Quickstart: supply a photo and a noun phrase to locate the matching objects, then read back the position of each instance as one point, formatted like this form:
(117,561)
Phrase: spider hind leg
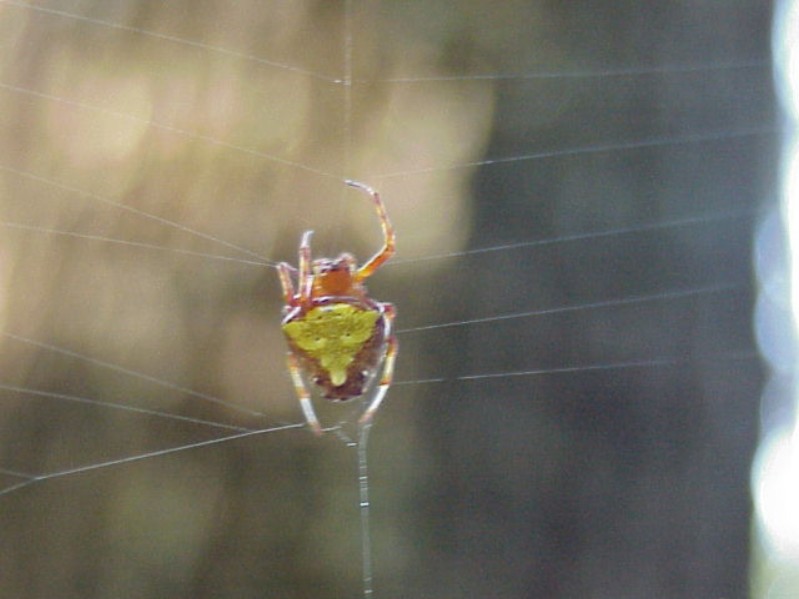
(303,395)
(383,385)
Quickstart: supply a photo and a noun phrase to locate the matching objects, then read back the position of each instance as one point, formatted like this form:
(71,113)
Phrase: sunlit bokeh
(142,146)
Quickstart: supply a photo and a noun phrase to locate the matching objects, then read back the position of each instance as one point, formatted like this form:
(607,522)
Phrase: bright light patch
(786,55)
(776,486)
(775,472)
(791,203)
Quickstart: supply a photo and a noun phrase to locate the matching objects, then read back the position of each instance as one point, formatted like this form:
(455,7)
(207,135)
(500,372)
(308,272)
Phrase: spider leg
(388,234)
(303,395)
(305,277)
(383,385)
(392,346)
(284,270)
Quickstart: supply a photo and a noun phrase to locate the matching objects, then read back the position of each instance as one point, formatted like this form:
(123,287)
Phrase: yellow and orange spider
(337,335)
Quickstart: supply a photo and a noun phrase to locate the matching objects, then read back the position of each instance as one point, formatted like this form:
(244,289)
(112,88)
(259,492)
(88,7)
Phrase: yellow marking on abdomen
(333,335)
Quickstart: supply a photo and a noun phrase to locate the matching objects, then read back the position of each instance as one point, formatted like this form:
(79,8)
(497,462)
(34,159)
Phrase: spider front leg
(389,242)
(285,270)
(305,277)
(303,395)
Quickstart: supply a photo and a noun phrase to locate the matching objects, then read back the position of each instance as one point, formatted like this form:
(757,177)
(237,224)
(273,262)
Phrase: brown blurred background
(484,125)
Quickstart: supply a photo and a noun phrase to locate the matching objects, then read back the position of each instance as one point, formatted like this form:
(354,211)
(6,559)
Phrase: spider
(337,335)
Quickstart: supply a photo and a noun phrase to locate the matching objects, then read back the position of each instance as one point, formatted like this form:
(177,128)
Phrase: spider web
(574,191)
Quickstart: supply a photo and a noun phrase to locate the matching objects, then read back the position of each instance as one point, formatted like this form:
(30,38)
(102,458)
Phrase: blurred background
(586,197)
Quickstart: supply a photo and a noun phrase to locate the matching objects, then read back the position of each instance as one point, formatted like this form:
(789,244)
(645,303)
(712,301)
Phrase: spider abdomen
(340,344)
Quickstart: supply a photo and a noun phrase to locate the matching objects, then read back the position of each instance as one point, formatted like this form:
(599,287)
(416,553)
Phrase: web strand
(659,362)
(665,296)
(168,38)
(118,406)
(124,207)
(169,128)
(129,372)
(364,507)
(654,142)
(363,429)
(589,74)
(132,244)
(251,58)
(659,141)
(642,228)
(145,456)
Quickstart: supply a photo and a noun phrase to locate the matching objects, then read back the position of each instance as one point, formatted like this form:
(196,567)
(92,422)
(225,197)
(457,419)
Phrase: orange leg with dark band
(389,243)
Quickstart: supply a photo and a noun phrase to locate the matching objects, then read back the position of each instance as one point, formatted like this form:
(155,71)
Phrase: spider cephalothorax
(337,335)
